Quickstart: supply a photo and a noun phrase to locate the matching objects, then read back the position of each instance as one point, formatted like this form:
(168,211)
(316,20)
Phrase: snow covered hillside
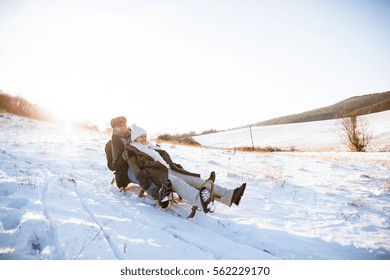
(311,136)
(56,202)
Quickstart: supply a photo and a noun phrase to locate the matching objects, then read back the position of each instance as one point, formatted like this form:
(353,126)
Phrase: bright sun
(71,110)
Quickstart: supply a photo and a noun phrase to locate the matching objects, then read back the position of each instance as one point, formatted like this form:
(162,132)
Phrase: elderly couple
(136,160)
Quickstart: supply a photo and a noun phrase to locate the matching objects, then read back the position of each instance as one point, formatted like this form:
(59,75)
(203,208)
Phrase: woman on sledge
(150,163)
(118,162)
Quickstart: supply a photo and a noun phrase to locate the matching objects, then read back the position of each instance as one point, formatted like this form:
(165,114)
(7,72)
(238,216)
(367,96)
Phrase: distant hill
(358,105)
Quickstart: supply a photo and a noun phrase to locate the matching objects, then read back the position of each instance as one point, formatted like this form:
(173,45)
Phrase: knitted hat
(136,131)
(117,121)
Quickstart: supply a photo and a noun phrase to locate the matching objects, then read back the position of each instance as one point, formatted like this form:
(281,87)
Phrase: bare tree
(356,133)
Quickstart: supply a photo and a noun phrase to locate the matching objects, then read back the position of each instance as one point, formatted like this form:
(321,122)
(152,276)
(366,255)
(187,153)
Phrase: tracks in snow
(114,247)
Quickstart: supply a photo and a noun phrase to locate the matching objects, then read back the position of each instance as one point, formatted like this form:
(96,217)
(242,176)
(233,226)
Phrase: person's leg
(153,188)
(195,197)
(221,194)
(131,176)
(190,194)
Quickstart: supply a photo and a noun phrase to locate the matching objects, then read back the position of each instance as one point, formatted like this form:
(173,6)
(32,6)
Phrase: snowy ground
(311,136)
(56,201)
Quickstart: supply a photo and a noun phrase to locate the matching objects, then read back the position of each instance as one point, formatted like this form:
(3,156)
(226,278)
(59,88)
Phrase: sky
(180,66)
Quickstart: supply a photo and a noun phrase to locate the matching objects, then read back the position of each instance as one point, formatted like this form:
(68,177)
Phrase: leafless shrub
(267,149)
(276,175)
(356,133)
(184,139)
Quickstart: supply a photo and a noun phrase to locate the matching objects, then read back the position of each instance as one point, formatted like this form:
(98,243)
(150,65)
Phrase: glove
(143,180)
(125,156)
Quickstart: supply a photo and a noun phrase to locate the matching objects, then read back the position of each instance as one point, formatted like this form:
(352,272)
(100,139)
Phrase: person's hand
(143,180)
(125,156)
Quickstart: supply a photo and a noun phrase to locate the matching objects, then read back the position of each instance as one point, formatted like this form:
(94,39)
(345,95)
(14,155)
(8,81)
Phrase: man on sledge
(141,162)
(117,158)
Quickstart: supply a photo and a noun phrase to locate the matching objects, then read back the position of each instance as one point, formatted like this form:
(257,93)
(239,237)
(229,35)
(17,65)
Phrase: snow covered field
(311,136)
(56,200)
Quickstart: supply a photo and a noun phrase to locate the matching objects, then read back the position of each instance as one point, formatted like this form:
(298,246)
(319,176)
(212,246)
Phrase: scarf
(125,138)
(150,150)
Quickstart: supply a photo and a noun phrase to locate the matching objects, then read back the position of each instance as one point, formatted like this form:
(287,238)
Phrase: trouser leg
(131,176)
(221,194)
(185,191)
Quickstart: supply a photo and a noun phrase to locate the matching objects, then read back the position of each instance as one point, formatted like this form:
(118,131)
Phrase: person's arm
(133,164)
(141,176)
(117,151)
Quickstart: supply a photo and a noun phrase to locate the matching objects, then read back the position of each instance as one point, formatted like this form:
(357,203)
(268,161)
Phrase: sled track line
(178,230)
(257,247)
(237,238)
(43,189)
(168,228)
(118,254)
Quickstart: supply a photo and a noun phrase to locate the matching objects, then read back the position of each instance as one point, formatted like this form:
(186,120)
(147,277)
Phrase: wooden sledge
(134,188)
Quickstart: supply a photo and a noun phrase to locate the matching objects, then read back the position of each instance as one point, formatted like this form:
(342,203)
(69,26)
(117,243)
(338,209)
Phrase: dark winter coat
(118,164)
(156,171)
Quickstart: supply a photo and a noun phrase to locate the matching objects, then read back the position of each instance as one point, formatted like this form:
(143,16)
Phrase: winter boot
(165,191)
(205,199)
(237,194)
